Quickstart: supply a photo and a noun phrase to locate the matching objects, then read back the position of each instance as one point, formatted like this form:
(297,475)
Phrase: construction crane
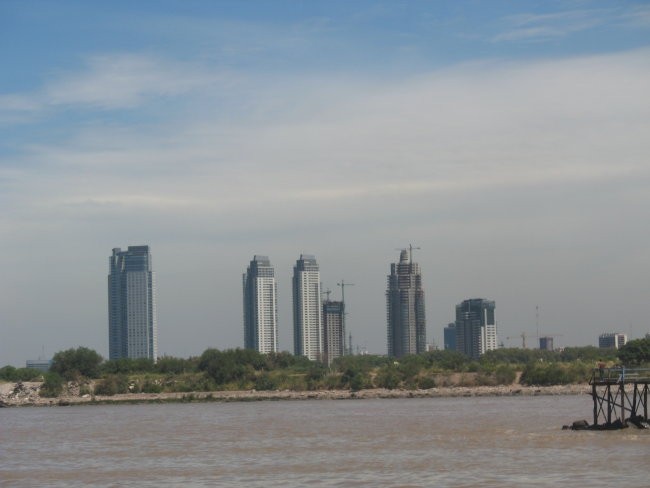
(524,336)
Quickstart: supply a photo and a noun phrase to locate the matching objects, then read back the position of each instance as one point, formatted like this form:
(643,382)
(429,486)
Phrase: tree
(635,352)
(73,363)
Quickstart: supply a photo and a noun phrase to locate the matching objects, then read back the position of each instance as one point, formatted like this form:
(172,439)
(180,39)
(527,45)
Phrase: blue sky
(508,140)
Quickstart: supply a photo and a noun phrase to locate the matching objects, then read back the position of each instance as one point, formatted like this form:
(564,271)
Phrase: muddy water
(459,442)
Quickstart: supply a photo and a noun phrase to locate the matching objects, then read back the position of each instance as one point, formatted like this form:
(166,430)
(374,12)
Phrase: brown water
(442,442)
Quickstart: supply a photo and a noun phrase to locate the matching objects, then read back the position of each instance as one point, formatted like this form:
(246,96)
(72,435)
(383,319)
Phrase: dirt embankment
(27,394)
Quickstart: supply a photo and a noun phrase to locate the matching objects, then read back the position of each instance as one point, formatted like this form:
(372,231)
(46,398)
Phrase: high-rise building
(333,330)
(450,336)
(476,329)
(132,315)
(612,340)
(260,306)
(405,308)
(307,312)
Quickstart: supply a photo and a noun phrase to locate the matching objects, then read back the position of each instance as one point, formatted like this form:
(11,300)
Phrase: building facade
(132,314)
(405,308)
(612,340)
(476,329)
(333,330)
(260,306)
(307,311)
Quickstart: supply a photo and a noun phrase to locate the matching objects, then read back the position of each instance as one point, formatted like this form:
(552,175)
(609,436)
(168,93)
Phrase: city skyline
(505,139)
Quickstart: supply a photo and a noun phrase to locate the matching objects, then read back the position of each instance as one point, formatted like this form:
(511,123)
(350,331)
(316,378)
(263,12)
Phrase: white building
(307,312)
(132,315)
(260,306)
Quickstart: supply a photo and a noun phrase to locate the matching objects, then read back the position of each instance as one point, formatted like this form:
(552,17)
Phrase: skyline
(508,141)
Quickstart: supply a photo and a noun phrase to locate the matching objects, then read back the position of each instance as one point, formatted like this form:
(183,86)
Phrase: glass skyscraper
(405,308)
(132,316)
(476,328)
(260,306)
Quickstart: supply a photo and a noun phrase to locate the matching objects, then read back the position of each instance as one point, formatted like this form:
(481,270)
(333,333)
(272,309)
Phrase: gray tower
(260,306)
(405,308)
(132,316)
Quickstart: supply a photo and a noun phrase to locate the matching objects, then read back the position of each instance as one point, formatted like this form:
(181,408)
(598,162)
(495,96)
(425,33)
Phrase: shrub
(52,385)
(112,384)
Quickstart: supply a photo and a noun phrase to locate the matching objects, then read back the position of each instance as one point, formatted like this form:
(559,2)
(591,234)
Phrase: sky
(507,140)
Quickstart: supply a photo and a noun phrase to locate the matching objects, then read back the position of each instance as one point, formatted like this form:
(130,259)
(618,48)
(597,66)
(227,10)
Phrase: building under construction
(405,308)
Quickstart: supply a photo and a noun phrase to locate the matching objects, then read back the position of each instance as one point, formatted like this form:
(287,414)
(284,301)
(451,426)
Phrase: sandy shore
(26,394)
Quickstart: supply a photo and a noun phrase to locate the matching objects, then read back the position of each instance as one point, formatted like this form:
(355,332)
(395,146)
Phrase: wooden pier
(620,397)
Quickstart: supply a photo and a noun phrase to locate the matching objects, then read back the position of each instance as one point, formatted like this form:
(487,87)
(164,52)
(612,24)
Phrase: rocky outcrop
(27,394)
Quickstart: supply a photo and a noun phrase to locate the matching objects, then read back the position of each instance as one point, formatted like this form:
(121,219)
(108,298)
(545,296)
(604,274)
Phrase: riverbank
(26,394)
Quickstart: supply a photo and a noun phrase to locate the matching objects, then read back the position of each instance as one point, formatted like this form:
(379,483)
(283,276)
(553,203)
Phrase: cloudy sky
(508,140)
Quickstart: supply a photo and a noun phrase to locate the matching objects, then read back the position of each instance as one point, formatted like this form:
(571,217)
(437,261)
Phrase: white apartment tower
(307,312)
(132,315)
(260,306)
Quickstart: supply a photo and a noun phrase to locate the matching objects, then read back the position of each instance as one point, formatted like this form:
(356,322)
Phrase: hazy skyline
(508,140)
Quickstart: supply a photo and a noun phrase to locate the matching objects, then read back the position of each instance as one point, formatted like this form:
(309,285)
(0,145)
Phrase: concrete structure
(546,343)
(612,340)
(405,308)
(132,314)
(333,330)
(307,311)
(450,336)
(476,329)
(260,306)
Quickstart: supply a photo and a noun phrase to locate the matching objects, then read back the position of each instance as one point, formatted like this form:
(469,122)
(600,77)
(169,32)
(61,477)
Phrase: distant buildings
(39,364)
(612,340)
(132,315)
(307,311)
(450,337)
(260,306)
(405,308)
(333,330)
(476,329)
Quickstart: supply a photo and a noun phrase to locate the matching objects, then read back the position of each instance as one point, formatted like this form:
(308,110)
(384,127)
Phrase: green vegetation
(9,373)
(52,385)
(636,352)
(72,364)
(242,369)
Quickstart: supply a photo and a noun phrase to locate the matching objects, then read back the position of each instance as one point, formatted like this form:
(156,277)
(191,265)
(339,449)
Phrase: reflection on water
(472,442)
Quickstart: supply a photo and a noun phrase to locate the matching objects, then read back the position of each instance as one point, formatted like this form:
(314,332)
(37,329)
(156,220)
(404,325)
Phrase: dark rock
(580,425)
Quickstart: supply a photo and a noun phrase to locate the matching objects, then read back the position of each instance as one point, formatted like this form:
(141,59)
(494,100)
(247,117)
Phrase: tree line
(234,369)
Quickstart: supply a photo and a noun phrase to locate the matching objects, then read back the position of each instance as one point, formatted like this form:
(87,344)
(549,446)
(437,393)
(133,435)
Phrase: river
(441,442)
